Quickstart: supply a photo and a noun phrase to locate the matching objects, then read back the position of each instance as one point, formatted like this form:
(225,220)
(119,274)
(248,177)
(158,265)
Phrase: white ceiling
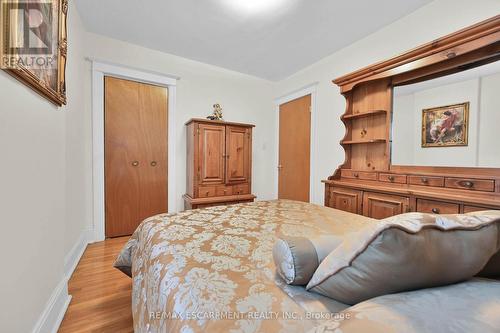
(238,35)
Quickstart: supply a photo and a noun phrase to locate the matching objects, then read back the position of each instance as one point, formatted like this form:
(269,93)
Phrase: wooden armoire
(219,163)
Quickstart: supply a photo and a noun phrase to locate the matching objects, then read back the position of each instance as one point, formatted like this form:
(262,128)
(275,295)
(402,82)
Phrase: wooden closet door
(211,146)
(237,154)
(135,143)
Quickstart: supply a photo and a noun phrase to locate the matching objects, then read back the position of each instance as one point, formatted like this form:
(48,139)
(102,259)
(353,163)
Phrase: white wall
(484,101)
(424,25)
(243,98)
(409,131)
(33,173)
(489,149)
(403,137)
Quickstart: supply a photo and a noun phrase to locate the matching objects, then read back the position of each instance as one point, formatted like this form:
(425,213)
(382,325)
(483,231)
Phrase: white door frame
(100,69)
(310,89)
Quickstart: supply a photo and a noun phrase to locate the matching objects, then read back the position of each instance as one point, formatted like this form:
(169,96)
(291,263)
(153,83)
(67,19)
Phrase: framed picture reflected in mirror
(445,126)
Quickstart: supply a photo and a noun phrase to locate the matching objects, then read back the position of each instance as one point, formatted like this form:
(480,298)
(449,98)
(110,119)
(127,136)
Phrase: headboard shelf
(367,182)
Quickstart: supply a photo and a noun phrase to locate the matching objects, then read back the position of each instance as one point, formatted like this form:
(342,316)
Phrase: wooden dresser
(367,183)
(219,163)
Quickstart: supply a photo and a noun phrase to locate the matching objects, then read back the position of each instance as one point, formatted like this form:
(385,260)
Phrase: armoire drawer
(206,191)
(223,190)
(359,175)
(241,189)
(437,207)
(486,185)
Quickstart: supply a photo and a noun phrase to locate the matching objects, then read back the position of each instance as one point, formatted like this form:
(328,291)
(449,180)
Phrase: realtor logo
(27,33)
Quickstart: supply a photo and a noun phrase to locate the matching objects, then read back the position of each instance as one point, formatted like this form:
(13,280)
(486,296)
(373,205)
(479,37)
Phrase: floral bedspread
(211,270)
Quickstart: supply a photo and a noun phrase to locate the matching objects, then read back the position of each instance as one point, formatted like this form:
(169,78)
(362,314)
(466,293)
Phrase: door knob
(435,210)
(154,163)
(135,163)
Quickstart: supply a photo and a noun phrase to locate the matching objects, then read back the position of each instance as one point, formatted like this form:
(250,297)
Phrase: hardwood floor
(101,294)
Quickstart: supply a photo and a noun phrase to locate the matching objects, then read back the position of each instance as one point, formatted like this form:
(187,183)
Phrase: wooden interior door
(381,206)
(237,154)
(135,150)
(295,149)
(211,146)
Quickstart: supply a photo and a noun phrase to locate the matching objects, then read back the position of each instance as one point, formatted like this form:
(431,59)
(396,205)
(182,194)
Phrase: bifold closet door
(135,150)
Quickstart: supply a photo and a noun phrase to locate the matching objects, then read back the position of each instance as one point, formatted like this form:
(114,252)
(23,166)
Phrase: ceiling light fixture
(255,6)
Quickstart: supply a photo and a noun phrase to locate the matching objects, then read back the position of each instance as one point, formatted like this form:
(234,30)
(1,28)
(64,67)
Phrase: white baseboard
(56,307)
(73,257)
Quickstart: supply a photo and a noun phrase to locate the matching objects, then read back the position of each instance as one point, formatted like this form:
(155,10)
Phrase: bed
(211,270)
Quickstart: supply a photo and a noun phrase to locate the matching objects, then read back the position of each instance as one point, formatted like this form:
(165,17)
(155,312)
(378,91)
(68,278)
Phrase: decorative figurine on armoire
(217,114)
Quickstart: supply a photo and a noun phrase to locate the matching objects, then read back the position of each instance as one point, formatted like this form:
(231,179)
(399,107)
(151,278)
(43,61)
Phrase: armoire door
(135,150)
(381,206)
(238,154)
(211,155)
(294,149)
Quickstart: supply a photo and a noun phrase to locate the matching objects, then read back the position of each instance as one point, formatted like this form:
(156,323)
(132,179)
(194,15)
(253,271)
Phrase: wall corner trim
(54,311)
(73,257)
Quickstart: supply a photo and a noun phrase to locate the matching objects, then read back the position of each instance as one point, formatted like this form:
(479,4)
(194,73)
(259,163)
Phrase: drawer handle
(356,175)
(467,184)
(435,210)
(154,163)
(135,163)
(208,192)
(425,180)
(391,178)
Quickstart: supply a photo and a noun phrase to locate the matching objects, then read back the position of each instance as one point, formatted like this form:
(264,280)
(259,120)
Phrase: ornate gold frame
(466,106)
(26,76)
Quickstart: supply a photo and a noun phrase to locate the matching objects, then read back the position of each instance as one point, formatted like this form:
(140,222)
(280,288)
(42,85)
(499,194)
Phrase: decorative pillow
(124,262)
(492,268)
(296,258)
(407,252)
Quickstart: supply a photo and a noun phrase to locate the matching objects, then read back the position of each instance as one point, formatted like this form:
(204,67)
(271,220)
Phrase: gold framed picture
(34,45)
(446,126)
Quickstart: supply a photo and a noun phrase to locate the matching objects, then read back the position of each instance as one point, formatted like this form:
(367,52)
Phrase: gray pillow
(492,268)
(296,258)
(407,252)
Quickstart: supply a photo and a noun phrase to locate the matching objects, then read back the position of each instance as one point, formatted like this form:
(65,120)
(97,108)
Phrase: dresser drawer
(241,189)
(471,209)
(426,181)
(359,175)
(471,184)
(437,207)
(223,190)
(392,178)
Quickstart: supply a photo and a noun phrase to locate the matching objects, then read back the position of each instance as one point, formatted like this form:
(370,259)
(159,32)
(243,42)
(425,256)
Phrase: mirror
(452,120)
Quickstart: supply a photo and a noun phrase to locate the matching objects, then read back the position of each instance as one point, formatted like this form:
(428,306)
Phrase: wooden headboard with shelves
(367,183)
